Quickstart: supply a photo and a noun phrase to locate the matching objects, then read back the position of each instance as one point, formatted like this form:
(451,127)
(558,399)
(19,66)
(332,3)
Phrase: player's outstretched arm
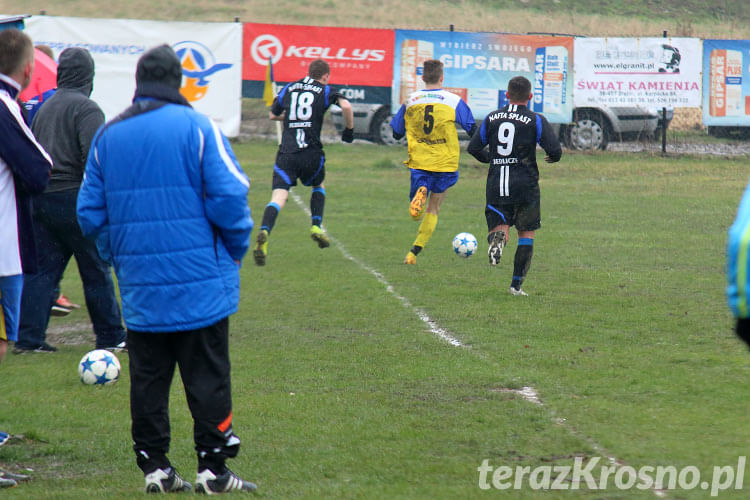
(277,112)
(397,123)
(346,110)
(478,145)
(549,143)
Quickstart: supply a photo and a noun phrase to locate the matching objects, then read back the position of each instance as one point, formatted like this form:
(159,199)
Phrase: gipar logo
(198,65)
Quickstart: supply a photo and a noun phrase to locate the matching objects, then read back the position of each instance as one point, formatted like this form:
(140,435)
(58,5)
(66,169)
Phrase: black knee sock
(269,216)
(522,261)
(317,204)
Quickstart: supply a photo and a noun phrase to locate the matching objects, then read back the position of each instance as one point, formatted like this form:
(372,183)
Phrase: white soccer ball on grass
(465,245)
(99,367)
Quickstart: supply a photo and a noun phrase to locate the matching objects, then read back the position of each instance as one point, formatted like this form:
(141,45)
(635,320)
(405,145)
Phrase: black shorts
(307,166)
(524,215)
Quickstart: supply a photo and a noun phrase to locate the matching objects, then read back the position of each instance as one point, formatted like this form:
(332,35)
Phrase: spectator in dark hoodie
(65,126)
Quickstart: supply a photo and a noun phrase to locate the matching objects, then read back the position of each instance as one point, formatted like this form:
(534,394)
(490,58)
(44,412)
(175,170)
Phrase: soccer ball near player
(465,245)
(99,367)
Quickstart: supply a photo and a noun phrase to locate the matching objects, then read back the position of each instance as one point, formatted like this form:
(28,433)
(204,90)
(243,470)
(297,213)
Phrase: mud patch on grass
(78,333)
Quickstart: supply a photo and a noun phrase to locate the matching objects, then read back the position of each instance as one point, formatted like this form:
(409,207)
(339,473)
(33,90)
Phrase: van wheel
(588,132)
(380,128)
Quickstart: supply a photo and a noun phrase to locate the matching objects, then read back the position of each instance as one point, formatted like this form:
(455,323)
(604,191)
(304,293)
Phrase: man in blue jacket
(166,200)
(738,265)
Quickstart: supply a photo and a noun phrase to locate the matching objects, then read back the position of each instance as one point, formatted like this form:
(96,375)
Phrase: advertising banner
(726,82)
(648,72)
(477,66)
(361,59)
(211,55)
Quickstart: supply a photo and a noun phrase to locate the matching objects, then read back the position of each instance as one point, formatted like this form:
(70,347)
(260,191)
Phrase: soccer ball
(99,367)
(465,245)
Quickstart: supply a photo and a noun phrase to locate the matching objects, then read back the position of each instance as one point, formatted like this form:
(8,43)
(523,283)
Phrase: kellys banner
(478,66)
(361,59)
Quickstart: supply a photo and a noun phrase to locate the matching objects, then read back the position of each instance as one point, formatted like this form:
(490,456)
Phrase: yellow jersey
(428,118)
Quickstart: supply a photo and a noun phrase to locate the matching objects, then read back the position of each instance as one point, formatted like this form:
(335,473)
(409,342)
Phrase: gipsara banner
(478,66)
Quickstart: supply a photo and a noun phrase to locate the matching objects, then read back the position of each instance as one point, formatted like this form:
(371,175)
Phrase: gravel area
(739,148)
(264,129)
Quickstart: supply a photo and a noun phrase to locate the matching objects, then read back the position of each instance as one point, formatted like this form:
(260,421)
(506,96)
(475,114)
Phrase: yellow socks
(426,228)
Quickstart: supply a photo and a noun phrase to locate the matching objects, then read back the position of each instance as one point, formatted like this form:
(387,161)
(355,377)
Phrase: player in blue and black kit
(513,199)
(301,105)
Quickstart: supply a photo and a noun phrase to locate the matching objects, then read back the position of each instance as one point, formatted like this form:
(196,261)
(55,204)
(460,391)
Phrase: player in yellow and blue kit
(428,118)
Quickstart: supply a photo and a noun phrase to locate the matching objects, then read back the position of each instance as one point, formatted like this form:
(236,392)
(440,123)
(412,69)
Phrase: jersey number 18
(300,108)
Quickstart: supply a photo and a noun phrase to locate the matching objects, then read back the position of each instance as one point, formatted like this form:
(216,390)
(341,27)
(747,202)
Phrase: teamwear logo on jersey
(198,65)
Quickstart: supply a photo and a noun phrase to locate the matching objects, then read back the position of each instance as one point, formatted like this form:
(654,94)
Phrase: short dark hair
(46,49)
(159,65)
(318,68)
(519,89)
(16,49)
(432,71)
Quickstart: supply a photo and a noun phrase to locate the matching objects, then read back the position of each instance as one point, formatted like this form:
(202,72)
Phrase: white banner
(211,55)
(648,72)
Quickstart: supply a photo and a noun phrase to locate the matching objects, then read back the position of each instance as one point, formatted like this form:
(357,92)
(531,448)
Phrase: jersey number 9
(505,133)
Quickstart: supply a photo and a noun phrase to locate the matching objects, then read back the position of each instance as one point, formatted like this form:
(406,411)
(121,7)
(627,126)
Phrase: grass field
(343,390)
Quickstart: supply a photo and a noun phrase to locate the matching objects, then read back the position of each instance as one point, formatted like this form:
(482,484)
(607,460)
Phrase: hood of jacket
(75,70)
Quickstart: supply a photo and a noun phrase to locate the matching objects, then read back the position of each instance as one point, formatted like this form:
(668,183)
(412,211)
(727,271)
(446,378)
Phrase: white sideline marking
(434,327)
(527,393)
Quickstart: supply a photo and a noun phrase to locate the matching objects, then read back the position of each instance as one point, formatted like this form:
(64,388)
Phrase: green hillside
(719,19)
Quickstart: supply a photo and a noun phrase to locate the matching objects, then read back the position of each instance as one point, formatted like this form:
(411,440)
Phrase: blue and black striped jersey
(305,103)
(512,134)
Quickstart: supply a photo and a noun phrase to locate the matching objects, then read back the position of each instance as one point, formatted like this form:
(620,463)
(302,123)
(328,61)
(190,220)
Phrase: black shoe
(165,481)
(45,347)
(209,483)
(261,248)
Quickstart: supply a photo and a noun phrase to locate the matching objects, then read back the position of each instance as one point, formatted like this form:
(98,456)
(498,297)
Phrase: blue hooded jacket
(738,260)
(167,200)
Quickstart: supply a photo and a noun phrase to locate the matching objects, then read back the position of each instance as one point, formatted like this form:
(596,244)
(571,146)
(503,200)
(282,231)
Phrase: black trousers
(202,356)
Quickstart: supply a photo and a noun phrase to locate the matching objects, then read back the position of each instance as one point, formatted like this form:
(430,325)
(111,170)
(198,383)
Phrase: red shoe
(63,301)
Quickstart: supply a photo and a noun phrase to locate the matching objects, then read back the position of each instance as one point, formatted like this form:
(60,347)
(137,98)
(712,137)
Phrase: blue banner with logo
(726,82)
(478,66)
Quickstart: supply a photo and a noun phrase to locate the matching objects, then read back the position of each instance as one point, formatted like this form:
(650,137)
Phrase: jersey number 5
(429,120)
(505,133)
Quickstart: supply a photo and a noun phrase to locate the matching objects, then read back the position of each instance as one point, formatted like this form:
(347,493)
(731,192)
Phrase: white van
(591,129)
